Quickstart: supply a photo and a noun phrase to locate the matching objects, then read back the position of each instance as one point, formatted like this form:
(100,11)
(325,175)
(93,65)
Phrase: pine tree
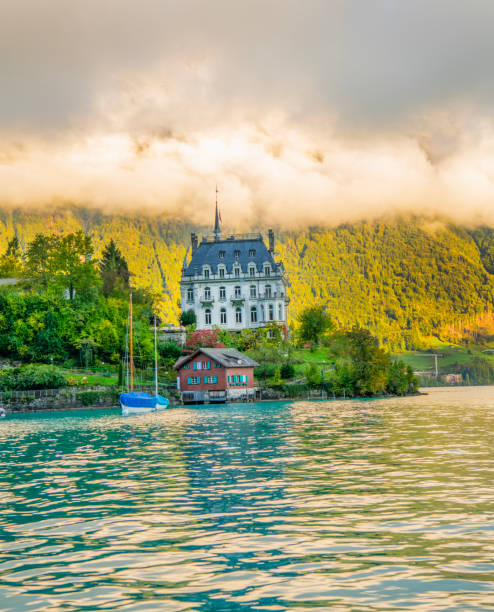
(10,261)
(113,269)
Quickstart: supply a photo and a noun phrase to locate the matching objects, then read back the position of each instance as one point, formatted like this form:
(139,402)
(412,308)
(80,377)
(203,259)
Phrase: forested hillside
(402,279)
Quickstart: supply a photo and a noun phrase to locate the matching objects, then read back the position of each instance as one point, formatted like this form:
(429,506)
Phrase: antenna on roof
(217,219)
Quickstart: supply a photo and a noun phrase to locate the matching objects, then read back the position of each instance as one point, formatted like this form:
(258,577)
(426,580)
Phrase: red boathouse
(215,375)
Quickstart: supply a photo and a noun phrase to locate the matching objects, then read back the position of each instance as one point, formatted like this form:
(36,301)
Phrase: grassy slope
(450,355)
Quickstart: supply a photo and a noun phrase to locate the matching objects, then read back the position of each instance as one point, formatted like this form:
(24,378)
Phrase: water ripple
(370,505)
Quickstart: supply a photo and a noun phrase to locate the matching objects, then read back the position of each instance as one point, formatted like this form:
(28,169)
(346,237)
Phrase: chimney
(194,242)
(271,241)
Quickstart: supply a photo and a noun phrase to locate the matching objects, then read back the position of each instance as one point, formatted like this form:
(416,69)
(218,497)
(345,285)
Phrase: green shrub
(312,375)
(265,370)
(89,398)
(32,377)
(287,370)
(169,350)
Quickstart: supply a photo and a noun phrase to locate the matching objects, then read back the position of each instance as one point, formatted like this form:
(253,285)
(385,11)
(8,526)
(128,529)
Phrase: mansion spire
(217,219)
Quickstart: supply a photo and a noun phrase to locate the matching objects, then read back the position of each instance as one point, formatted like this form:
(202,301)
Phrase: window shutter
(195,366)
(246,378)
(188,380)
(209,365)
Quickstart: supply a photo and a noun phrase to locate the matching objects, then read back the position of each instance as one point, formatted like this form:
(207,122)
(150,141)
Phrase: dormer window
(237,272)
(267,270)
(221,271)
(252,252)
(252,270)
(221,254)
(206,272)
(236,253)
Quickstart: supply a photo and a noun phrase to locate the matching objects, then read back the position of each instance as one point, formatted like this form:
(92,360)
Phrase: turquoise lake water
(356,505)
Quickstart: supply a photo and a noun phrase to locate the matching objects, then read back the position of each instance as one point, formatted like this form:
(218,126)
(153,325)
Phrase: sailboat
(132,402)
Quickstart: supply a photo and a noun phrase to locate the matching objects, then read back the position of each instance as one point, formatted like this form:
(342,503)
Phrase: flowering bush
(204,338)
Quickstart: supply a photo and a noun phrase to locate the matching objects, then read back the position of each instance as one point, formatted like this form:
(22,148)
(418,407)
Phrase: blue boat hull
(142,403)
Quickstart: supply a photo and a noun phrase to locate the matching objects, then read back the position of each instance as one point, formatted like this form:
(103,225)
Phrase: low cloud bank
(271,172)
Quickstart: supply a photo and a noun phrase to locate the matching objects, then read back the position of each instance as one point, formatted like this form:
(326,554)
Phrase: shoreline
(102,406)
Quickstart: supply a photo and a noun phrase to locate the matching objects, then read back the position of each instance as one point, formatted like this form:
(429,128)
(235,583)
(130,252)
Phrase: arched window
(253,314)
(207,293)
(223,315)
(252,270)
(267,291)
(238,292)
(207,317)
(271,312)
(222,293)
(190,294)
(238,315)
(253,291)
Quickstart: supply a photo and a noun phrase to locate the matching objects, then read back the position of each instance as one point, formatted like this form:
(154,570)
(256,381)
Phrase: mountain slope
(402,278)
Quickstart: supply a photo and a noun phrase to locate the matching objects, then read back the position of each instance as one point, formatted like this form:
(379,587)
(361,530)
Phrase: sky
(303,113)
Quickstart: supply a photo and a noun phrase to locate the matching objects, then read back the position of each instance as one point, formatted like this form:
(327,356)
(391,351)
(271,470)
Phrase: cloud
(304,113)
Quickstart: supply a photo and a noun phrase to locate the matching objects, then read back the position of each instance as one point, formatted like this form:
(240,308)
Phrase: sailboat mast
(155,360)
(131,349)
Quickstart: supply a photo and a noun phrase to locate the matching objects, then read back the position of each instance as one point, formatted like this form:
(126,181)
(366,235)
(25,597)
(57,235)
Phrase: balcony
(237,300)
(206,301)
(274,295)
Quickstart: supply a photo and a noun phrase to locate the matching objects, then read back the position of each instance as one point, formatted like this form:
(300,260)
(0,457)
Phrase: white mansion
(234,282)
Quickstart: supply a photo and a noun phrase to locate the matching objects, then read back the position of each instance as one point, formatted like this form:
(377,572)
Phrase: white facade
(234,284)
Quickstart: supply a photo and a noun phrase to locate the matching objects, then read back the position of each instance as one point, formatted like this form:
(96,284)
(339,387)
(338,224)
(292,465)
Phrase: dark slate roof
(228,357)
(208,253)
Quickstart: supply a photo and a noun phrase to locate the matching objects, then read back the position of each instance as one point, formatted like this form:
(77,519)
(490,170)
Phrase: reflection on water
(357,505)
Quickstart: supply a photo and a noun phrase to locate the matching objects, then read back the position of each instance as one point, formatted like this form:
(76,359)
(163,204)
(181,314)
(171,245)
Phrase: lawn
(449,355)
(92,380)
(305,356)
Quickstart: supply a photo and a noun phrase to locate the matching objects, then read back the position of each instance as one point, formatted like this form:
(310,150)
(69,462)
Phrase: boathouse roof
(227,357)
